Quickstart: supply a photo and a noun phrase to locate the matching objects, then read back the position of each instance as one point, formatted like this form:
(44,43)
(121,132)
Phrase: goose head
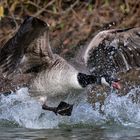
(106,80)
(110,82)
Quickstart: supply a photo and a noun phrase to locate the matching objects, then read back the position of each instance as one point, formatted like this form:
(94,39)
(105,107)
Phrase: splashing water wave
(20,109)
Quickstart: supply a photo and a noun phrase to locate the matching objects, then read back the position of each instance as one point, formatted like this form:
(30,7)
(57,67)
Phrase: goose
(27,60)
(114,53)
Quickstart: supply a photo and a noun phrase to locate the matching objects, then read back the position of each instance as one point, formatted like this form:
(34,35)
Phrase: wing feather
(12,53)
(113,51)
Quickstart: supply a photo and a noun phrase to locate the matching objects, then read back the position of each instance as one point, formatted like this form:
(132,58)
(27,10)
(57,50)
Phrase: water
(21,117)
(69,134)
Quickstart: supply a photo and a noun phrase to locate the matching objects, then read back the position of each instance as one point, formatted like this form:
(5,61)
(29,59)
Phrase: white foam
(27,112)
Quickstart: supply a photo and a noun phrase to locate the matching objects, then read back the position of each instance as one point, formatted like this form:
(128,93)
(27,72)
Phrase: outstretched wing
(13,52)
(113,51)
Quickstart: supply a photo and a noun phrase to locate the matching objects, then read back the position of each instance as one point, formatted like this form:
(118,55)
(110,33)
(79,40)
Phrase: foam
(27,112)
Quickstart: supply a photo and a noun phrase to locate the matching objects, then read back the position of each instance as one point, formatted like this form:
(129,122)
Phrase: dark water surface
(21,118)
(109,133)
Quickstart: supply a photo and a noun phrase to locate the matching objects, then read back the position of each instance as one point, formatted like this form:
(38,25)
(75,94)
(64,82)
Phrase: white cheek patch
(104,82)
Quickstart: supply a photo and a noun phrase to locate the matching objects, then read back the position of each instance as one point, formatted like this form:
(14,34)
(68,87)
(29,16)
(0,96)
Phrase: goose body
(50,73)
(27,59)
(58,79)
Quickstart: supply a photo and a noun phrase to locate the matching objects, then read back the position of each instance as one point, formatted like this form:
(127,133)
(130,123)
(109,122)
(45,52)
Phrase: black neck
(85,79)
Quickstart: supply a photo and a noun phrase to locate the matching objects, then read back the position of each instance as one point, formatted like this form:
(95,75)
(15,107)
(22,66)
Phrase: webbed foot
(63,109)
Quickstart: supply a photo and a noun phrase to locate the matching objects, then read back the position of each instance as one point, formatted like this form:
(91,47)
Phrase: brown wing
(113,51)
(20,45)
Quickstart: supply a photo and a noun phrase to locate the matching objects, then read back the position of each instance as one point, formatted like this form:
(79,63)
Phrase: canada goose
(114,53)
(27,58)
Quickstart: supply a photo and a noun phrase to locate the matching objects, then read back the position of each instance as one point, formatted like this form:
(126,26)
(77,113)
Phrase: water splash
(25,111)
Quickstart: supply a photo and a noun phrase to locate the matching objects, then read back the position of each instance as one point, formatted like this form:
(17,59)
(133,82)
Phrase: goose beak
(116,85)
